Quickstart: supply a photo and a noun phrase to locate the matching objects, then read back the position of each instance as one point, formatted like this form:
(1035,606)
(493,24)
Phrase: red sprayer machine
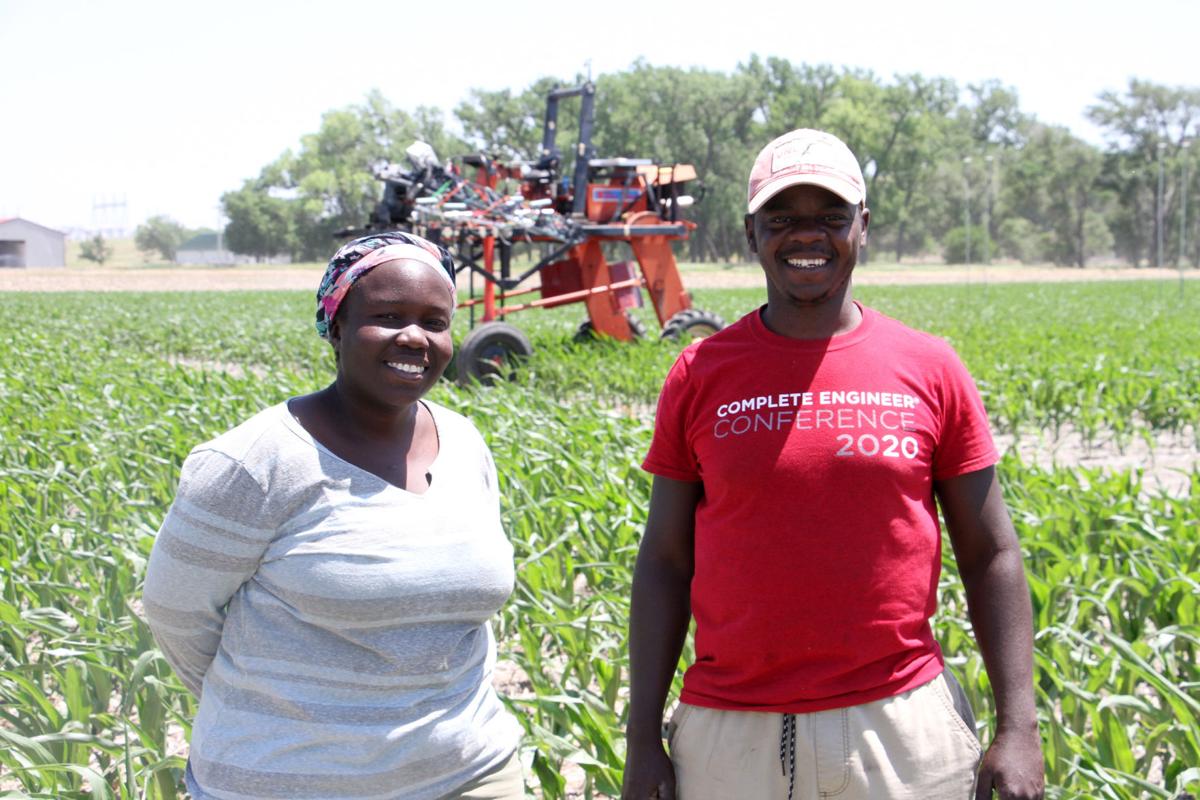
(468,206)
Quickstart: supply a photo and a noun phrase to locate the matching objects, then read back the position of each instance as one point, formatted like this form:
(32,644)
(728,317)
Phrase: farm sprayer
(466,206)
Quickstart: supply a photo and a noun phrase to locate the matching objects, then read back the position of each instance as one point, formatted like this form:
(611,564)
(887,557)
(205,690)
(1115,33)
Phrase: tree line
(159,235)
(956,170)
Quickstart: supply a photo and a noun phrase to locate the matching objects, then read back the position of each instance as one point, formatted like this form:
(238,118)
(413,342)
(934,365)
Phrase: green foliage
(1052,184)
(928,147)
(1148,129)
(300,200)
(1018,238)
(95,434)
(95,249)
(692,116)
(1089,236)
(510,126)
(160,234)
(963,245)
(259,225)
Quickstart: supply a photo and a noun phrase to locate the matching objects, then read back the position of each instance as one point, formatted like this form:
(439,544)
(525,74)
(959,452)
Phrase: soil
(182,279)
(185,279)
(1166,460)
(915,275)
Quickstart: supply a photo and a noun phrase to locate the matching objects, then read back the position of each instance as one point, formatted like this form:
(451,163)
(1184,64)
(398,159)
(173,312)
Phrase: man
(796,459)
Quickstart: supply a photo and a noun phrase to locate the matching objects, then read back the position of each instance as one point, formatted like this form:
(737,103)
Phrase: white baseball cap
(805,156)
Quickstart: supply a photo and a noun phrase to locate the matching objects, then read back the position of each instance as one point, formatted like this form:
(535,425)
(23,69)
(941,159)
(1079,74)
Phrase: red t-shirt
(817,545)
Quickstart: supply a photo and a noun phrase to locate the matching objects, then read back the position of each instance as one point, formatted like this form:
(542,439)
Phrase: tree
(934,159)
(1020,239)
(793,96)
(689,116)
(509,126)
(898,131)
(666,114)
(260,225)
(1052,182)
(160,234)
(302,199)
(1147,130)
(956,242)
(95,249)
(993,115)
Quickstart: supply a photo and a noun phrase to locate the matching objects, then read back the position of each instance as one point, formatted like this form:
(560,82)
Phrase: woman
(324,579)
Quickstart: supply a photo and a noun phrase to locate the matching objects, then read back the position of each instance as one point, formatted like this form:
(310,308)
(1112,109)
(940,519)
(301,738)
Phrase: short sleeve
(965,439)
(210,543)
(671,454)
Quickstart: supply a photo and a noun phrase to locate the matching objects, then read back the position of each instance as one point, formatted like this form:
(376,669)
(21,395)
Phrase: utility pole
(966,210)
(1186,150)
(987,213)
(1183,187)
(1158,210)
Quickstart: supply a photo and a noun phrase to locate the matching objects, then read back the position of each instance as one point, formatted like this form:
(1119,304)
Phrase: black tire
(586,333)
(490,353)
(692,323)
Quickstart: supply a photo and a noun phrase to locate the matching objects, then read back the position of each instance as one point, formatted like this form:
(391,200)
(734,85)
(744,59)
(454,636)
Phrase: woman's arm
(210,543)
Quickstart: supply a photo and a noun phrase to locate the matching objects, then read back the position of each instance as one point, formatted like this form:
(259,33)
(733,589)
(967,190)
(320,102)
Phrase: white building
(207,248)
(27,244)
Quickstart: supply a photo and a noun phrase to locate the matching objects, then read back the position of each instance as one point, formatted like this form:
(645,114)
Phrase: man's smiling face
(807,240)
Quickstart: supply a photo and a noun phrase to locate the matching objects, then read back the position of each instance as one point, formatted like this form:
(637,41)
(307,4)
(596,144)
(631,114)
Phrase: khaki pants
(503,783)
(913,745)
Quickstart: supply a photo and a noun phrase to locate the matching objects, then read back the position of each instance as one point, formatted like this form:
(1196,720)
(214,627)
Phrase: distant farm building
(27,244)
(207,248)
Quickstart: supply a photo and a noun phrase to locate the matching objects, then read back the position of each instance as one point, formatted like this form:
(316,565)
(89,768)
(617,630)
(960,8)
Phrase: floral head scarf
(358,257)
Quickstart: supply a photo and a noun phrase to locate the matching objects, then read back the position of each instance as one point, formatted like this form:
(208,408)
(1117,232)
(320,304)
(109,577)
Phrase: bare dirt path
(180,279)
(185,279)
(901,275)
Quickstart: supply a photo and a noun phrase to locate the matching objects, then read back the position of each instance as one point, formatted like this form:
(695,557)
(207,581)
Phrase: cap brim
(843,189)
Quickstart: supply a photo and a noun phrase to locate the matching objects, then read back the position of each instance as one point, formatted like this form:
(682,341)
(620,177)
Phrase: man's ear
(750,234)
(866,221)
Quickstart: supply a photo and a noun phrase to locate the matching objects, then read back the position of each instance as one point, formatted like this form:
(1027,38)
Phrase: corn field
(102,396)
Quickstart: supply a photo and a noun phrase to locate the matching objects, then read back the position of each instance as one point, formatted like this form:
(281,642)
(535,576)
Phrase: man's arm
(989,561)
(658,623)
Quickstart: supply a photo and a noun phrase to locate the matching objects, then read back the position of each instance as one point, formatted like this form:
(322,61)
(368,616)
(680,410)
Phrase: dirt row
(182,279)
(1166,460)
(185,279)
(891,274)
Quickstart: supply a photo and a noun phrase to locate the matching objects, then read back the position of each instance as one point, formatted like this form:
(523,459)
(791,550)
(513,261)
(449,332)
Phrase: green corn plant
(94,438)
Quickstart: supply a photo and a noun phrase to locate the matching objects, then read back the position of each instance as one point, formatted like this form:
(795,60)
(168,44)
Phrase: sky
(115,110)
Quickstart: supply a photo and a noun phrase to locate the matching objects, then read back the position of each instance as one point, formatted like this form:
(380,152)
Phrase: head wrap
(356,258)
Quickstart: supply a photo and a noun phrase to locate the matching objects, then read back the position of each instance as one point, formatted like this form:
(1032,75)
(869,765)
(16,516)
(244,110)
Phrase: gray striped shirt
(334,626)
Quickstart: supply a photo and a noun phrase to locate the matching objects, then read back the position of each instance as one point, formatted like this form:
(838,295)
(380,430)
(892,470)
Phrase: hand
(649,774)
(1013,766)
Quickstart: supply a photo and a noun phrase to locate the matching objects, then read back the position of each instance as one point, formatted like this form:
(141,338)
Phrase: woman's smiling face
(392,333)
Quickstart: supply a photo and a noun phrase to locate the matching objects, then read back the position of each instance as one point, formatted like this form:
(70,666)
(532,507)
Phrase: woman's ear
(335,338)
